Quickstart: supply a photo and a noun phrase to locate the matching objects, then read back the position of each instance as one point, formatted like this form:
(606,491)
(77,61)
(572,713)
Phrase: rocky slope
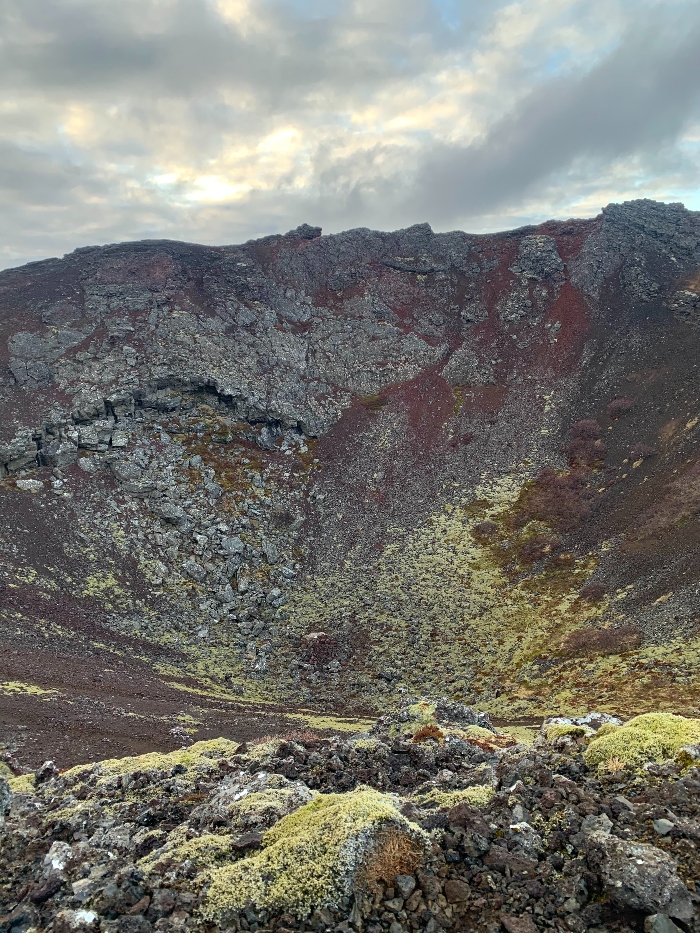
(321,472)
(431,821)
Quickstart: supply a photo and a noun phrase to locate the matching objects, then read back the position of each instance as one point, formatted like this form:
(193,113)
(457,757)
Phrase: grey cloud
(184,85)
(96,48)
(633,102)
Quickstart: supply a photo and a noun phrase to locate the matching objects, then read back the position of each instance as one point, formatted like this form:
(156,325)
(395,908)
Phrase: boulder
(320,854)
(639,876)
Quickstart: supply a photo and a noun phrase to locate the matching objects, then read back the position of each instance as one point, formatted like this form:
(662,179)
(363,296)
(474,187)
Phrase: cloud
(641,96)
(219,120)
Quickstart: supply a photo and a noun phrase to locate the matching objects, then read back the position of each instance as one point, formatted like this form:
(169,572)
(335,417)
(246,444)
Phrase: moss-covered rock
(650,737)
(315,856)
(255,802)
(479,796)
(200,756)
(558,730)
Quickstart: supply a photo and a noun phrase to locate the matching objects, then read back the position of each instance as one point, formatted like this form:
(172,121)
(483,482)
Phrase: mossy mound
(22,784)
(560,729)
(199,756)
(649,737)
(479,796)
(317,855)
(672,731)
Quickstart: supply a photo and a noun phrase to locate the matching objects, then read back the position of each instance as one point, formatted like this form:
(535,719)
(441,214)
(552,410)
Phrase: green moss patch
(649,737)
(312,857)
(479,796)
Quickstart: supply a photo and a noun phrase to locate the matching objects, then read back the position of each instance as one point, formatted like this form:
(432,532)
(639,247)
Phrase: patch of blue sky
(450,11)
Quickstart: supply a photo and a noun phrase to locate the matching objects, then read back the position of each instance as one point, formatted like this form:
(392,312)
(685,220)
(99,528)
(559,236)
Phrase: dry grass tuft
(395,854)
(614,765)
(429,731)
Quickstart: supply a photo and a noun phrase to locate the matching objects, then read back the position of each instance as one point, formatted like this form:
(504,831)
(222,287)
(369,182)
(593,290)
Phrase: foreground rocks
(394,830)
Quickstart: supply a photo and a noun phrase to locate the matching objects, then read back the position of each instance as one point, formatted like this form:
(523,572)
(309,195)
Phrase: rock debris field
(431,820)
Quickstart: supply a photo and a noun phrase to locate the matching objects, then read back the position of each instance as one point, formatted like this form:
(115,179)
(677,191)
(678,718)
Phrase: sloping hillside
(316,473)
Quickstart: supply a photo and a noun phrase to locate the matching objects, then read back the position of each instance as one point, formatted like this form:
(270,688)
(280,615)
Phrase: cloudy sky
(220,120)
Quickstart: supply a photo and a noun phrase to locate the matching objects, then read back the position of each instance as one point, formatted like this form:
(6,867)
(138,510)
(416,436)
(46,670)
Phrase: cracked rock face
(330,469)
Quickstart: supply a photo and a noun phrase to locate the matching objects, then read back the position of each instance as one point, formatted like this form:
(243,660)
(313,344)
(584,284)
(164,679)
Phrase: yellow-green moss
(685,759)
(649,737)
(479,796)
(444,588)
(478,732)
(10,687)
(22,784)
(524,735)
(633,747)
(310,857)
(559,729)
(205,852)
(265,749)
(333,723)
(198,756)
(673,732)
(271,804)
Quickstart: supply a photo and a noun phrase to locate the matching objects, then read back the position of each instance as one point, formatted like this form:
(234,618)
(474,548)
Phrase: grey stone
(639,876)
(88,437)
(5,798)
(405,885)
(538,257)
(20,453)
(596,824)
(194,571)
(660,923)
(34,374)
(60,453)
(172,513)
(663,827)
(29,485)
